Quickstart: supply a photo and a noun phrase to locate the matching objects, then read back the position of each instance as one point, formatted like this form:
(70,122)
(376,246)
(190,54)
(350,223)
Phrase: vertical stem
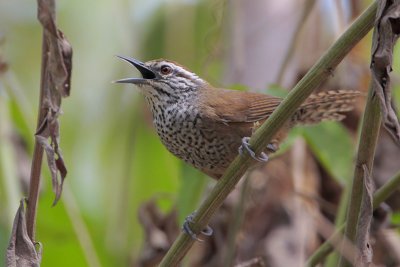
(236,222)
(379,196)
(38,149)
(34,191)
(366,151)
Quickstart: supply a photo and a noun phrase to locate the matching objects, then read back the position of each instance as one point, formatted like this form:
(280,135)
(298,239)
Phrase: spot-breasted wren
(205,126)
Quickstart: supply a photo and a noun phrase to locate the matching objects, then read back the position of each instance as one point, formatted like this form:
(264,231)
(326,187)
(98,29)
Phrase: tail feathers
(325,106)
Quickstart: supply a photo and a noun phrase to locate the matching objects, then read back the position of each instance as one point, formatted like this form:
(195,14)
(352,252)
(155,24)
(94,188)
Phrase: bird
(207,127)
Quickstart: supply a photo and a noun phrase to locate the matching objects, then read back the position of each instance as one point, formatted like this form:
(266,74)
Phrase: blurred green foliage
(333,147)
(115,160)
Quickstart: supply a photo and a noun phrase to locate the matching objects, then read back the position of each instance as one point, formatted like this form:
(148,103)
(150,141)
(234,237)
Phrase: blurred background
(125,196)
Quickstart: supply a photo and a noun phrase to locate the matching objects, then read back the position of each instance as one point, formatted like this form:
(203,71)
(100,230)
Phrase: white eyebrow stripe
(179,69)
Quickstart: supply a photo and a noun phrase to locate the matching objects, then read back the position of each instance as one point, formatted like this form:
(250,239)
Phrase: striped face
(172,82)
(165,81)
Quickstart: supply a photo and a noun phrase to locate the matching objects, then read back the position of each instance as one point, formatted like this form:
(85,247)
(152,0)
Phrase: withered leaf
(157,228)
(56,84)
(60,50)
(21,252)
(66,50)
(50,128)
(364,222)
(386,33)
(159,232)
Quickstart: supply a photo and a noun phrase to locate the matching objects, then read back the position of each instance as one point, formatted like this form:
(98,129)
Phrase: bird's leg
(246,146)
(186,228)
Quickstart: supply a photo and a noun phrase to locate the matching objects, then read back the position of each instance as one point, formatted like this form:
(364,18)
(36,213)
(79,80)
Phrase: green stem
(340,219)
(315,76)
(386,190)
(365,156)
(324,250)
(380,196)
(236,223)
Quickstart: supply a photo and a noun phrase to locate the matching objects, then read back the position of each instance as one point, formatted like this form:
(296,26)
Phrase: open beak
(147,73)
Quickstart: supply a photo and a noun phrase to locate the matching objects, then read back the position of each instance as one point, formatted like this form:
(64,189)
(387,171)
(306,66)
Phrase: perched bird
(205,126)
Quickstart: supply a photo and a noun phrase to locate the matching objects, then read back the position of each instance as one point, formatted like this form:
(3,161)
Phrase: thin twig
(386,190)
(236,222)
(37,151)
(317,74)
(337,239)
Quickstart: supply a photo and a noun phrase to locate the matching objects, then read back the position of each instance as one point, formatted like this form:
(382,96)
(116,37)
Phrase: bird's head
(164,79)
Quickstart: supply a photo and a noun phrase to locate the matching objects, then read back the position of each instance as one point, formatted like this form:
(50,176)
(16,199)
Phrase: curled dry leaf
(386,33)
(60,50)
(159,232)
(58,68)
(364,222)
(21,252)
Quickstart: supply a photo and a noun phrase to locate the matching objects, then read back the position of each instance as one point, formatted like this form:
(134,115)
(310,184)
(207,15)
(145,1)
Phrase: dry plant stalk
(55,84)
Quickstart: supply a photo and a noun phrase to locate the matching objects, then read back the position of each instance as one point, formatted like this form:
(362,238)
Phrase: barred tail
(325,106)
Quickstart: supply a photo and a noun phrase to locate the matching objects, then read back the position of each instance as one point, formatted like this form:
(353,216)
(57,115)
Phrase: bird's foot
(272,147)
(246,146)
(186,228)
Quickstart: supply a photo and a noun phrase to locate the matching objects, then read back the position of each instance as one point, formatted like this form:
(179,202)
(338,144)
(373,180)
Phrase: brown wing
(236,106)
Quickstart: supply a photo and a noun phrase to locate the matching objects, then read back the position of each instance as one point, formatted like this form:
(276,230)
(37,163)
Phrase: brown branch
(37,152)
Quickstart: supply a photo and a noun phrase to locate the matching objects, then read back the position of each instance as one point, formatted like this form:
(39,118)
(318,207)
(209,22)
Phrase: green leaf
(288,142)
(333,147)
(276,90)
(395,218)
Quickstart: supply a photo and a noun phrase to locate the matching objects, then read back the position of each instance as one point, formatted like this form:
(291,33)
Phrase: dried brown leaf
(159,232)
(66,50)
(386,33)
(60,51)
(58,67)
(364,222)
(21,252)
(55,161)
(150,218)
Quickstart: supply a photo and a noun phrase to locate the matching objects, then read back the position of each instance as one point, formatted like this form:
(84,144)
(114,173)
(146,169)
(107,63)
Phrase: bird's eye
(166,69)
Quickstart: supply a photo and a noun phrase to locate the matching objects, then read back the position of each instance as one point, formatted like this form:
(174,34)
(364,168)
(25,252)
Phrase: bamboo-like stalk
(315,76)
(365,156)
